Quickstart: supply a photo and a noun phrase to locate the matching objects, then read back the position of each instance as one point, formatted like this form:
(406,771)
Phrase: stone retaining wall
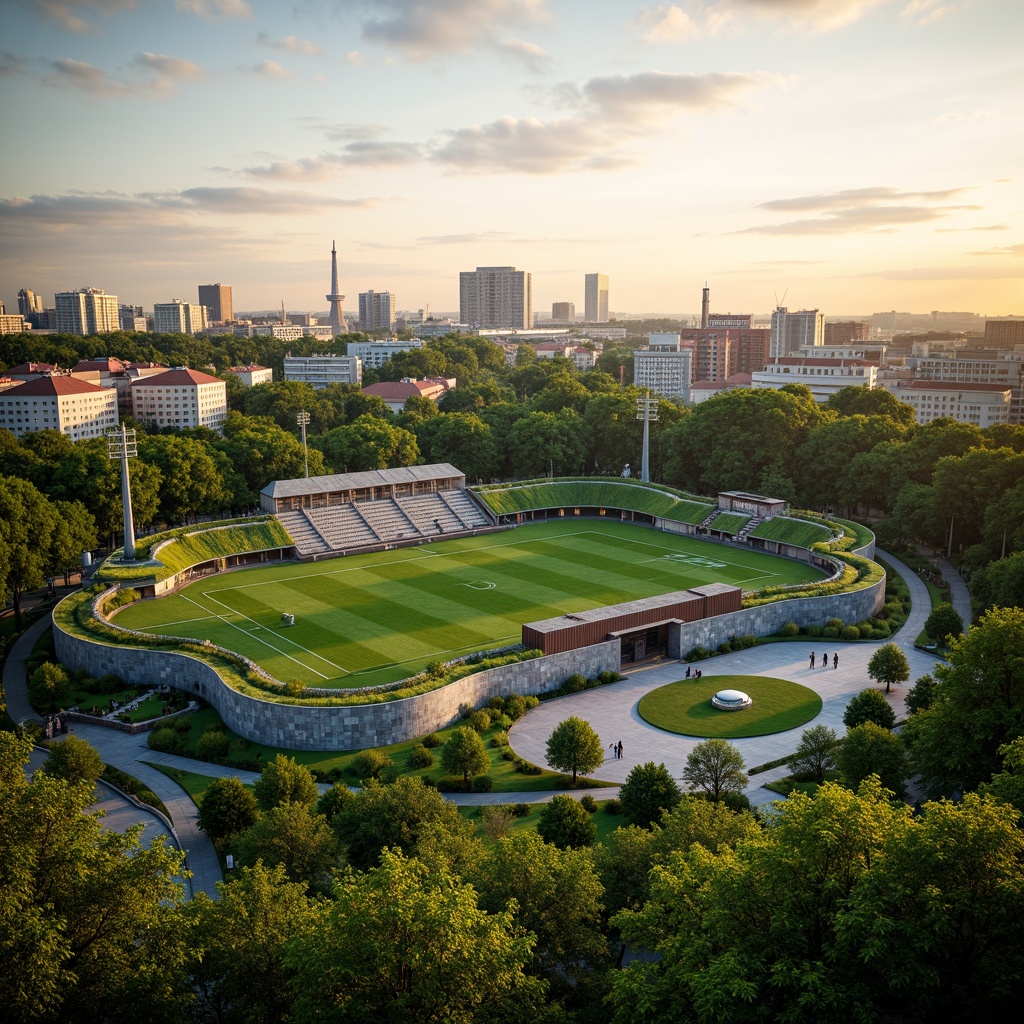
(304,727)
(766,619)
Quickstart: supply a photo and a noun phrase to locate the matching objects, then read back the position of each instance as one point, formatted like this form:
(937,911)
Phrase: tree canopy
(575,747)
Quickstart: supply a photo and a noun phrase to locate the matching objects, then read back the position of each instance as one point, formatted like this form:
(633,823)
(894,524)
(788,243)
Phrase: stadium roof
(358,481)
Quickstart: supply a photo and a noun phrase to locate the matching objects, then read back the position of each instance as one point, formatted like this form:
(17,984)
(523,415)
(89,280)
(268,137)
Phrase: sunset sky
(856,155)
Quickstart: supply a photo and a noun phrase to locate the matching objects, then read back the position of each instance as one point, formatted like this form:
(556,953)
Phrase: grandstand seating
(367,524)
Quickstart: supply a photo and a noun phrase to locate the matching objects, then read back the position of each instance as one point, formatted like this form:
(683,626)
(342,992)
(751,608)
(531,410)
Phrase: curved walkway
(612,710)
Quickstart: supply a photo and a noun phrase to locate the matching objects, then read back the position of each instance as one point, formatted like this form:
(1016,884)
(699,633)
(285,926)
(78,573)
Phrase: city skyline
(853,155)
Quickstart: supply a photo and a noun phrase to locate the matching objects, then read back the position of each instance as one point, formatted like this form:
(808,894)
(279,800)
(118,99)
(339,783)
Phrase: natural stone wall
(766,619)
(304,727)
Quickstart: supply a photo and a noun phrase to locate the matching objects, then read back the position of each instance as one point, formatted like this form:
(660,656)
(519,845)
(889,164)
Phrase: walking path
(611,710)
(959,595)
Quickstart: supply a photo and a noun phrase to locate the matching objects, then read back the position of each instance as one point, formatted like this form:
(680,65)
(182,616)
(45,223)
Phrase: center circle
(685,706)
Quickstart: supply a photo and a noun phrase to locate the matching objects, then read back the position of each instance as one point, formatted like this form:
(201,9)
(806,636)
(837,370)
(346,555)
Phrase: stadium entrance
(641,644)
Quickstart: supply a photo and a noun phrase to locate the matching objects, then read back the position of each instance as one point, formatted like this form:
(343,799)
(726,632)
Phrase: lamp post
(302,419)
(121,445)
(646,410)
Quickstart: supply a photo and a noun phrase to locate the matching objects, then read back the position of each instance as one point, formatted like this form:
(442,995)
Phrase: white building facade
(319,370)
(253,374)
(86,311)
(984,405)
(180,398)
(664,367)
(76,408)
(374,354)
(177,317)
(823,376)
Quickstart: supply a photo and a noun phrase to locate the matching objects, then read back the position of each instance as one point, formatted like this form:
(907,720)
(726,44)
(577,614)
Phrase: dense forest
(384,906)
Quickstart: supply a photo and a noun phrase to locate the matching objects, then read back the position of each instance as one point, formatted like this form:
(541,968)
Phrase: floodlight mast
(646,410)
(302,419)
(121,445)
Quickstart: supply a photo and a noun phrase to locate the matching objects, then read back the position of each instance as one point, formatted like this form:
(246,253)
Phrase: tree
(566,824)
(85,912)
(943,622)
(27,523)
(394,816)
(368,443)
(870,749)
(227,808)
(555,895)
(543,442)
(716,767)
(815,753)
(74,760)
(192,476)
(74,532)
(647,791)
(1008,784)
(406,945)
(889,665)
(977,706)
(999,584)
(575,747)
(49,687)
(292,836)
(869,706)
(921,694)
(464,440)
(238,942)
(284,781)
(464,753)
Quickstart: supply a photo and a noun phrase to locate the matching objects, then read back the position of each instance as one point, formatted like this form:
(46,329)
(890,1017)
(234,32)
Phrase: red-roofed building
(180,398)
(396,392)
(31,371)
(76,408)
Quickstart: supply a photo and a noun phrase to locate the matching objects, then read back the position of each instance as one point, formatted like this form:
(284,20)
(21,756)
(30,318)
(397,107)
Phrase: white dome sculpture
(731,700)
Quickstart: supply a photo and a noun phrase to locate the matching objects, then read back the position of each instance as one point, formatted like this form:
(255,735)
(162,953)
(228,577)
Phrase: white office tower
(86,311)
(177,317)
(499,297)
(794,331)
(595,298)
(376,311)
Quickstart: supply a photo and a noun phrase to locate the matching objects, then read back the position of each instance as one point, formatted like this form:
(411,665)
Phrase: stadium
(332,620)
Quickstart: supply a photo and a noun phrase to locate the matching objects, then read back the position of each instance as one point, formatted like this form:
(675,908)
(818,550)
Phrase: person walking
(835,661)
(812,659)
(620,748)
(824,659)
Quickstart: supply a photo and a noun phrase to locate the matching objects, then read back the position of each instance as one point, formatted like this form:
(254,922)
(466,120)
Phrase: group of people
(617,749)
(824,660)
(696,673)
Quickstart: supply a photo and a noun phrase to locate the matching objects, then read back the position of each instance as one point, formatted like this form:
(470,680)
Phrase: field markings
(181,622)
(234,625)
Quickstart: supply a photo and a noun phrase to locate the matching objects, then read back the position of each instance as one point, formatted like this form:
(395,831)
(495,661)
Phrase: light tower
(121,445)
(302,419)
(336,318)
(646,410)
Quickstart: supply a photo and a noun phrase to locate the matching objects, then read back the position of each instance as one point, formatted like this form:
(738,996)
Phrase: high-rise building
(29,303)
(792,331)
(844,332)
(376,311)
(563,312)
(130,318)
(665,366)
(177,317)
(498,297)
(217,300)
(336,317)
(999,333)
(86,311)
(595,298)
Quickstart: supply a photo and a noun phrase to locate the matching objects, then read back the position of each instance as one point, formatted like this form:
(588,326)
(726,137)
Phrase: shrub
(836,624)
(725,648)
(746,641)
(49,686)
(869,706)
(496,704)
(831,632)
(507,755)
(576,683)
(499,739)
(420,757)
(524,767)
(613,806)
(370,763)
(849,633)
(480,721)
(588,803)
(212,744)
(515,707)
(520,810)
(450,784)
(882,630)
(813,630)
(180,725)
(502,721)
(432,740)
(608,676)
(790,629)
(697,653)
(483,784)
(165,740)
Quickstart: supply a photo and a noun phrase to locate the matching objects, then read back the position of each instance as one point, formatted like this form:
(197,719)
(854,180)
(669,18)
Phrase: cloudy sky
(856,155)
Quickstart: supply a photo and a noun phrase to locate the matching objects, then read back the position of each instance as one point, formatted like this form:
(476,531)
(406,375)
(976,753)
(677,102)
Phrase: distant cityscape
(946,364)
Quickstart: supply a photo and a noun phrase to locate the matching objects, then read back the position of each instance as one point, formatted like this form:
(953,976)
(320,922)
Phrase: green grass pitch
(369,619)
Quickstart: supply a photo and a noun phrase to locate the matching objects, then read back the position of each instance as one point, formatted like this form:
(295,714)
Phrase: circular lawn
(685,707)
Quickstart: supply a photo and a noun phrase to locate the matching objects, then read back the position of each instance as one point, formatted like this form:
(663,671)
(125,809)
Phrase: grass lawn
(342,765)
(606,823)
(374,618)
(193,784)
(685,707)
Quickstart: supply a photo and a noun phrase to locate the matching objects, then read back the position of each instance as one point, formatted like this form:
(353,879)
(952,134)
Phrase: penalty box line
(260,639)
